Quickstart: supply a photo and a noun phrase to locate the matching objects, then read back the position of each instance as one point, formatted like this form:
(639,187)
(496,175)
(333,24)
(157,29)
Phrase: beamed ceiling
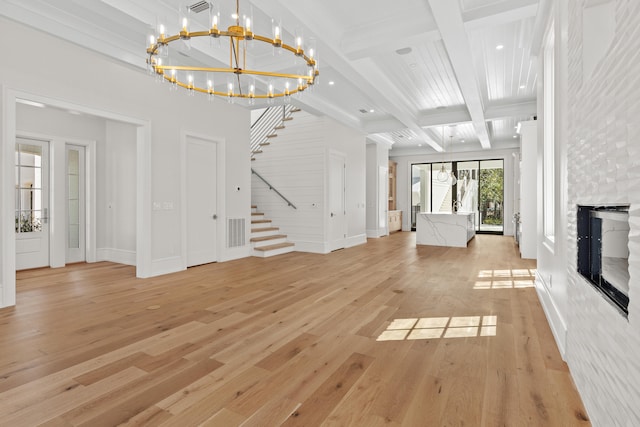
(403,72)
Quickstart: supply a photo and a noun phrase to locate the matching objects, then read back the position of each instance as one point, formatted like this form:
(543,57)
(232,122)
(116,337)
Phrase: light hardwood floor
(380,334)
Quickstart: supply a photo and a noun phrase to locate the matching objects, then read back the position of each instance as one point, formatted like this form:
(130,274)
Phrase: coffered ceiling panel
(424,74)
(397,71)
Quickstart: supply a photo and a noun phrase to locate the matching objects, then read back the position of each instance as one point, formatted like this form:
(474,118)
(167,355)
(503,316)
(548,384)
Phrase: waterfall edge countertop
(445,229)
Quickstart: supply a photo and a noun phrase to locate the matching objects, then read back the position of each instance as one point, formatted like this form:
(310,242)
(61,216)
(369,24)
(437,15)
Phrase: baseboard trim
(236,253)
(352,241)
(119,256)
(551,312)
(166,266)
(311,247)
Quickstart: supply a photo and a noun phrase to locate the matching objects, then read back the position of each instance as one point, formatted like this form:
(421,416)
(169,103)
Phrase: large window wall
(475,186)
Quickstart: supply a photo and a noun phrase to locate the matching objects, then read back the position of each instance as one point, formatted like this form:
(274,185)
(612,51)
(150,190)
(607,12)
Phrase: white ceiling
(416,67)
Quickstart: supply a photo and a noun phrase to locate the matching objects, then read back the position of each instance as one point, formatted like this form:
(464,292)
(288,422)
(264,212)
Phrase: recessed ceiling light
(372,111)
(419,145)
(331,83)
(522,86)
(462,140)
(413,65)
(515,136)
(500,47)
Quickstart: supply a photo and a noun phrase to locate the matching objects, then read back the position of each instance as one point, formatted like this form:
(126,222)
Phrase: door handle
(215,216)
(45,216)
(332,215)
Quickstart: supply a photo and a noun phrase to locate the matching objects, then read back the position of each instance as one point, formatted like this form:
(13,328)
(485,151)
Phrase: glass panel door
(442,191)
(75,204)
(420,191)
(31,203)
(467,188)
(491,185)
(29,209)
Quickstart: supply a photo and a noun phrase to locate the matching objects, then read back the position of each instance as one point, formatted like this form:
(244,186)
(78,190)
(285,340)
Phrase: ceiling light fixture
(442,174)
(500,47)
(331,83)
(241,81)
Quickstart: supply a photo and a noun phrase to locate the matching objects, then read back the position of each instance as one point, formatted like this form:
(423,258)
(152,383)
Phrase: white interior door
(201,201)
(32,203)
(76,202)
(337,202)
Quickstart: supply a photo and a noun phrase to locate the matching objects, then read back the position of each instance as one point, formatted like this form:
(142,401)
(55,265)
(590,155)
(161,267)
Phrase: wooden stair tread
(273,135)
(256,213)
(260,221)
(264,144)
(276,246)
(286,119)
(296,110)
(259,230)
(266,238)
(254,206)
(279,127)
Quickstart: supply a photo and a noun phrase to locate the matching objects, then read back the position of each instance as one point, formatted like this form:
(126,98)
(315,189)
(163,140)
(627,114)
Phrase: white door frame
(220,192)
(7,181)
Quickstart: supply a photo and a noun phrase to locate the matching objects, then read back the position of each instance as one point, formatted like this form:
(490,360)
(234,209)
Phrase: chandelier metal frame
(236,34)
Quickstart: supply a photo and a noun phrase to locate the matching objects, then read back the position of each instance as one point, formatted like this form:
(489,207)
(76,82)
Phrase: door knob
(215,216)
(332,215)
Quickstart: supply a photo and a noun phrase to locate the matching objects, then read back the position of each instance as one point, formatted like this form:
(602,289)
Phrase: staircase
(266,239)
(264,130)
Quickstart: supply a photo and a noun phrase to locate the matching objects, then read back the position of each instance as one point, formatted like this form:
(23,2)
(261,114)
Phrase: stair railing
(266,124)
(271,187)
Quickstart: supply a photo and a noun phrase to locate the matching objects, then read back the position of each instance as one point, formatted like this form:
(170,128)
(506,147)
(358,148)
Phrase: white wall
(404,180)
(296,163)
(89,81)
(597,127)
(116,164)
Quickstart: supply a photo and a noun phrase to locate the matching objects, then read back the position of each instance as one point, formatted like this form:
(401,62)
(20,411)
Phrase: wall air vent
(235,232)
(201,6)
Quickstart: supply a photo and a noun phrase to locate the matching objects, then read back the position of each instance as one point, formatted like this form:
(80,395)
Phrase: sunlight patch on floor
(506,279)
(426,328)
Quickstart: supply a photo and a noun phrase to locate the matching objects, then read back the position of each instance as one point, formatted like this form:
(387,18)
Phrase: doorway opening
(141,217)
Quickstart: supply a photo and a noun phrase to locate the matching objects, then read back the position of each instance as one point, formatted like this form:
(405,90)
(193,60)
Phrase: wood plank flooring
(383,334)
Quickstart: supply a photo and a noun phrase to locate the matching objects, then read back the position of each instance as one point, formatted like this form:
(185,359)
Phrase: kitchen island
(445,229)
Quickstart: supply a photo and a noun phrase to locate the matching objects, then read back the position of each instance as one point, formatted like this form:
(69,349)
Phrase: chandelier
(241,80)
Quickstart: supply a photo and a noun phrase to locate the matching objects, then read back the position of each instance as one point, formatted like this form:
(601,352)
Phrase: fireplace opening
(603,251)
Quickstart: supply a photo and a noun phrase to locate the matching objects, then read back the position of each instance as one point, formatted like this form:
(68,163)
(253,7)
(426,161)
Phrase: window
(548,150)
(29,212)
